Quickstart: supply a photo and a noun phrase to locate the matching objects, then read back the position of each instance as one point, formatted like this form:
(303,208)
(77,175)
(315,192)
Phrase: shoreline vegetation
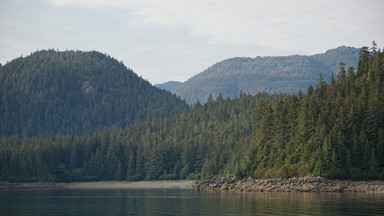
(226,184)
(334,130)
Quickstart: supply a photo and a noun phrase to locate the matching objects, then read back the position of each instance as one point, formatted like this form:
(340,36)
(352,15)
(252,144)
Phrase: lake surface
(184,202)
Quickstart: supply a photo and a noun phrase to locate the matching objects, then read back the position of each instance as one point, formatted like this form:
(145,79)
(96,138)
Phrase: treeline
(73,92)
(335,130)
(206,141)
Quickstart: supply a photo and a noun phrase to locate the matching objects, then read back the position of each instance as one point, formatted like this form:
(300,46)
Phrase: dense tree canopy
(335,130)
(73,92)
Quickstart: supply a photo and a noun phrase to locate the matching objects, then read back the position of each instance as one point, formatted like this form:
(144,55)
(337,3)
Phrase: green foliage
(203,142)
(335,130)
(286,74)
(74,92)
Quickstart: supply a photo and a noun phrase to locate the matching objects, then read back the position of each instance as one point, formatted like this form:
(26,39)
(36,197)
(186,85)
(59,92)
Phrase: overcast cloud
(175,39)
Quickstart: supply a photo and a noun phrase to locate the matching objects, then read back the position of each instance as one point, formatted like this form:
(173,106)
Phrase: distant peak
(342,48)
(169,86)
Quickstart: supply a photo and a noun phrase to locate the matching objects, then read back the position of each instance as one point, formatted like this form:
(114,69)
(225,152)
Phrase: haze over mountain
(74,92)
(170,85)
(284,74)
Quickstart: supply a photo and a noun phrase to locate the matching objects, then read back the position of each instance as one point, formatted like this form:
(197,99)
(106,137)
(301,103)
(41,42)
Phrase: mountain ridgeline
(287,74)
(169,86)
(334,129)
(73,92)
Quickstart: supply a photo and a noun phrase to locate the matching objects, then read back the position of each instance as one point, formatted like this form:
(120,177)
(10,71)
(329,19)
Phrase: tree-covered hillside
(264,74)
(74,92)
(335,130)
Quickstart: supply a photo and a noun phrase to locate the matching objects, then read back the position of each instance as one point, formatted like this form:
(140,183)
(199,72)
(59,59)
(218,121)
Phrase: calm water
(184,202)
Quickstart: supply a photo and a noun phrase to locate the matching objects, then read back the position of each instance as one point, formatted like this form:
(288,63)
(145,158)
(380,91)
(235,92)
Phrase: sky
(163,40)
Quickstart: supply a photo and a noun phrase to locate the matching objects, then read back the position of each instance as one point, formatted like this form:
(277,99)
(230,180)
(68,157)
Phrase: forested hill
(335,130)
(265,74)
(73,92)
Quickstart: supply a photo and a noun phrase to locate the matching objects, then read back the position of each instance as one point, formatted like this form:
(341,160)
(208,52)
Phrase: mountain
(286,74)
(73,92)
(334,130)
(169,86)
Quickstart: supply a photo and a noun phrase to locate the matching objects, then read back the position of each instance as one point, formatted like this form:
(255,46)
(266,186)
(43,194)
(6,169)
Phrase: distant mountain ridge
(284,74)
(169,86)
(74,92)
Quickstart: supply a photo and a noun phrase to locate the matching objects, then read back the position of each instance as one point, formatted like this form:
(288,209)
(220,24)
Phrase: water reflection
(185,202)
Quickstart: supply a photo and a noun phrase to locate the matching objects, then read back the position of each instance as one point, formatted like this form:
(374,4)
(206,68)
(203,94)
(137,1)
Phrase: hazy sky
(164,40)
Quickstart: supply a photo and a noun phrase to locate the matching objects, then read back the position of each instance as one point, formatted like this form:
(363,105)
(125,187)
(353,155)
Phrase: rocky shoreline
(229,183)
(29,186)
(300,184)
(6,186)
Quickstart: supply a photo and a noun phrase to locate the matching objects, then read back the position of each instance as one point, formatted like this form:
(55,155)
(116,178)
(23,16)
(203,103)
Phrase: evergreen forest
(335,129)
(73,92)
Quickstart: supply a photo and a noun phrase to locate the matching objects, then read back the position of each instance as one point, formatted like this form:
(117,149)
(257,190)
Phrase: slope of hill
(74,92)
(334,130)
(169,86)
(265,74)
